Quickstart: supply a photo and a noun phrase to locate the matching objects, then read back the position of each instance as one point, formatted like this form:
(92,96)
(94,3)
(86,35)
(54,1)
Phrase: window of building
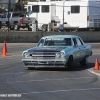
(45,8)
(75,9)
(35,8)
(29,8)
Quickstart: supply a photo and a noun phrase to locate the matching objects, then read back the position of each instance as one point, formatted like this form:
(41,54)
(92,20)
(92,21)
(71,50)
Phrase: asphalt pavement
(47,83)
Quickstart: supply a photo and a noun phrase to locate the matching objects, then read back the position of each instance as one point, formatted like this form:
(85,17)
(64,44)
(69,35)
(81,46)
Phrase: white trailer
(44,12)
(84,14)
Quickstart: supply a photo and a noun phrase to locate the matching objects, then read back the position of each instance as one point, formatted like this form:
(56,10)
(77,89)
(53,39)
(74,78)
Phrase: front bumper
(42,62)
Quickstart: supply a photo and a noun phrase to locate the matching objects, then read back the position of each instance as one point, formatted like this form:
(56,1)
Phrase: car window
(55,42)
(4,16)
(75,41)
(79,42)
(68,41)
(41,43)
(17,15)
(9,15)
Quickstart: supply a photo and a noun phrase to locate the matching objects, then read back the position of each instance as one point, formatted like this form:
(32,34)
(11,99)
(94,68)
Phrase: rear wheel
(30,68)
(0,25)
(11,28)
(84,62)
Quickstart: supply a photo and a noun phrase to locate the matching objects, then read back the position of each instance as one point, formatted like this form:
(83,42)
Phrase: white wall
(73,19)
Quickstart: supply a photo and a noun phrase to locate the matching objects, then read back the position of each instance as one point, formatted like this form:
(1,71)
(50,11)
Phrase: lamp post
(9,5)
(63,13)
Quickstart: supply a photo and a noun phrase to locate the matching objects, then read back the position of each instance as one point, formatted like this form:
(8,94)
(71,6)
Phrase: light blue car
(57,50)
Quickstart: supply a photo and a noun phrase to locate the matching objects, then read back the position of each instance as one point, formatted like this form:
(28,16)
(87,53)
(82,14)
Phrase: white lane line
(49,80)
(90,70)
(69,90)
(13,73)
(96,53)
(10,56)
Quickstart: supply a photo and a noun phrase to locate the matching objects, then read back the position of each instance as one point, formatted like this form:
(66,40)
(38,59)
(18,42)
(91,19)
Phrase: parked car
(57,50)
(16,20)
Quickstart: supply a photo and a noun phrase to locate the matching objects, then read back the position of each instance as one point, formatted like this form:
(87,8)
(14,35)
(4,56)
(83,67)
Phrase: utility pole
(63,13)
(9,6)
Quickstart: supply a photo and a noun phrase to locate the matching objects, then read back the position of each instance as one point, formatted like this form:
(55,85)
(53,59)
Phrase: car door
(4,18)
(83,52)
(80,48)
(77,50)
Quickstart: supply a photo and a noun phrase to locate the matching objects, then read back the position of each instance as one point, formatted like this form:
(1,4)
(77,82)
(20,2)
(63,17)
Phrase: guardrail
(26,36)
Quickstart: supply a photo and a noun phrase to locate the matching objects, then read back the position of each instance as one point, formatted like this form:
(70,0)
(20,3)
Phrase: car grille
(43,55)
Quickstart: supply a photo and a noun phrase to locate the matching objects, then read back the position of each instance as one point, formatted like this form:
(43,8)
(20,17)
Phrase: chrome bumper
(48,62)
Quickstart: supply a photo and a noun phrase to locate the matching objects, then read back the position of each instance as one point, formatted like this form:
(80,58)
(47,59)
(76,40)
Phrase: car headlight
(59,54)
(62,54)
(26,54)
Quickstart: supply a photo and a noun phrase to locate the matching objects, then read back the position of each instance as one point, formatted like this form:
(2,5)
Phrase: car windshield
(55,42)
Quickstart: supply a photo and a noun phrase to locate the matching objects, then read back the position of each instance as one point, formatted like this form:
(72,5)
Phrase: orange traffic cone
(5,45)
(4,51)
(96,67)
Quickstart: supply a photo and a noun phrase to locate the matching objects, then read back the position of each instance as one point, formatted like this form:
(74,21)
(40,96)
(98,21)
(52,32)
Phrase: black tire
(29,29)
(84,62)
(0,25)
(11,28)
(44,28)
(68,65)
(30,68)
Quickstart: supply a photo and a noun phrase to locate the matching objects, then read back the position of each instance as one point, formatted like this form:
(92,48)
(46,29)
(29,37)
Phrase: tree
(21,3)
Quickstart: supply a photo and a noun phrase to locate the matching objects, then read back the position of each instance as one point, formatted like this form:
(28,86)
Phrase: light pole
(63,13)
(9,5)
(37,9)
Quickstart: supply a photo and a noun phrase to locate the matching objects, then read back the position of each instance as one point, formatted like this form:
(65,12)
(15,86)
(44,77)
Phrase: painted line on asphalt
(95,53)
(91,71)
(69,90)
(10,56)
(48,80)
(13,73)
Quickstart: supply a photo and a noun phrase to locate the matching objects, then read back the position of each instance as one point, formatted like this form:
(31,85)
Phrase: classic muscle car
(57,50)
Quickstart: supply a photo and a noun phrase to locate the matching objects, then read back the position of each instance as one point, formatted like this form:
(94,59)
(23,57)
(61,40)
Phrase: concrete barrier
(25,37)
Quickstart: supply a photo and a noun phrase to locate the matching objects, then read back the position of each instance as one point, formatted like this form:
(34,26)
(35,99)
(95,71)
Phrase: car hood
(46,49)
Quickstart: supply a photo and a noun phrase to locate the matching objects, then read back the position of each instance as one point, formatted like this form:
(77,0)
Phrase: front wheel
(84,62)
(68,65)
(30,68)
